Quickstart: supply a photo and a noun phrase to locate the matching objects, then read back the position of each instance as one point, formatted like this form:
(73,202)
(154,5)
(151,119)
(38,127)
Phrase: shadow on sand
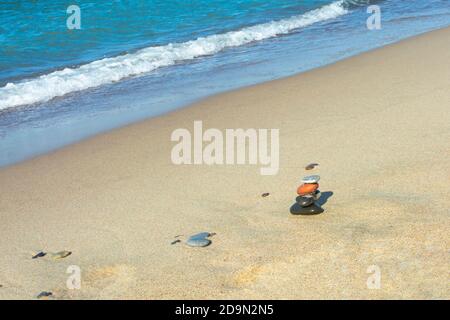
(324,197)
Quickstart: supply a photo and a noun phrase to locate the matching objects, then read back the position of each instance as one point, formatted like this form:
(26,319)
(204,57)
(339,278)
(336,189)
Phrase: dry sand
(378,124)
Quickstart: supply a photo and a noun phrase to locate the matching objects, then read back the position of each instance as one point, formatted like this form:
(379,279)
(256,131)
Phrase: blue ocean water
(35,37)
(135,59)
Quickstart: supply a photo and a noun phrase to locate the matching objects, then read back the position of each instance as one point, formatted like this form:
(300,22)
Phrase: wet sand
(378,124)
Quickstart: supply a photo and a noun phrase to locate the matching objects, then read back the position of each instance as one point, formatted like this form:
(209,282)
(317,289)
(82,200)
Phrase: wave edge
(113,69)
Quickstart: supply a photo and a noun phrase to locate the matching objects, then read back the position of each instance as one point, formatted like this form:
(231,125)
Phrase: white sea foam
(108,70)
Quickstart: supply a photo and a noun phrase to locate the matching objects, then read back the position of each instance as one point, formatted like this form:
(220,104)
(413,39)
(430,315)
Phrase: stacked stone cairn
(308,193)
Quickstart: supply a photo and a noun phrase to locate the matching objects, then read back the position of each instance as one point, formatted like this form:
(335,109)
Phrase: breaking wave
(109,70)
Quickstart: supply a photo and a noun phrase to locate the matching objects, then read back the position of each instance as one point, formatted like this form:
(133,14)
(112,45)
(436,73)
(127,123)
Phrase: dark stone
(310,210)
(265,194)
(304,201)
(311,166)
(44,294)
(38,255)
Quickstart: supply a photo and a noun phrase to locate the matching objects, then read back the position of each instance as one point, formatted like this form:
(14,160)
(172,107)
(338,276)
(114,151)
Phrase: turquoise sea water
(36,38)
(136,59)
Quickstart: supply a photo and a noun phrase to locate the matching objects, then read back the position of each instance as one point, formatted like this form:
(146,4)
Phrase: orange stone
(307,188)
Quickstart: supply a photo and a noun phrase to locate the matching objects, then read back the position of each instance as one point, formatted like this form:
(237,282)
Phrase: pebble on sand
(200,239)
(39,255)
(197,240)
(265,194)
(44,294)
(56,256)
(60,254)
(311,166)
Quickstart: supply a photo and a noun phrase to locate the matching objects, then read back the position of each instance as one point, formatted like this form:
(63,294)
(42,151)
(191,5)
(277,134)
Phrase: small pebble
(39,255)
(60,254)
(311,166)
(44,294)
(199,239)
(198,242)
(265,194)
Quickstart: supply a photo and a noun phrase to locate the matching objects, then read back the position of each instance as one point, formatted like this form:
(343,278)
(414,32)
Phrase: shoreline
(116,201)
(77,132)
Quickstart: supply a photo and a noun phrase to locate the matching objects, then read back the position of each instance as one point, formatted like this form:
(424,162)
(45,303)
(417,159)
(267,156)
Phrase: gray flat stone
(200,235)
(311,179)
(199,240)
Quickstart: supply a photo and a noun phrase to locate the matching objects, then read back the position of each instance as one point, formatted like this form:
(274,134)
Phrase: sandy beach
(379,126)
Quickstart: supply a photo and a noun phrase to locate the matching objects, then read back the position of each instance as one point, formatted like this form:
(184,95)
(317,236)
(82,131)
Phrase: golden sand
(378,124)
